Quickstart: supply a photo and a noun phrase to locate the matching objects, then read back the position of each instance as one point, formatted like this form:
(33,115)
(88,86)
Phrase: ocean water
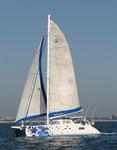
(106,141)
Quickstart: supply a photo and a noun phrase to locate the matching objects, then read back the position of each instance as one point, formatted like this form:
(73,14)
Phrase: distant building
(5,118)
(114,116)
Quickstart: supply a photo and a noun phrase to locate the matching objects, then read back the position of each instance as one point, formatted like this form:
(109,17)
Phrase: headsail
(63,95)
(32,104)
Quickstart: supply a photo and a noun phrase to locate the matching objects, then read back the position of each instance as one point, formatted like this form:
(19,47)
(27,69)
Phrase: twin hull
(54,130)
(72,130)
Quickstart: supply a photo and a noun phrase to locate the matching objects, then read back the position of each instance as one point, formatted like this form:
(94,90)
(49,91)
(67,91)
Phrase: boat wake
(110,133)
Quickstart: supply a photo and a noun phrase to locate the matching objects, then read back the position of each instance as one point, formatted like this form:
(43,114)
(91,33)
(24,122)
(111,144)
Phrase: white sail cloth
(32,102)
(63,95)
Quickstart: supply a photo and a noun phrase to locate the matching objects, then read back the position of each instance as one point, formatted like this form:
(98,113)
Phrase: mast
(48,70)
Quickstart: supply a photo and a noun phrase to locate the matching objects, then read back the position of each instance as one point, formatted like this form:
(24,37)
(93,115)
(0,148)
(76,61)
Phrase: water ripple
(107,140)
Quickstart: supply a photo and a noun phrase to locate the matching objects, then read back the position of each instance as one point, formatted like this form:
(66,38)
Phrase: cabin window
(81,128)
(56,122)
(68,122)
(64,122)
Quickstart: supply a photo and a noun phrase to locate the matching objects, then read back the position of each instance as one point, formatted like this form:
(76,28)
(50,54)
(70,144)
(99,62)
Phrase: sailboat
(59,100)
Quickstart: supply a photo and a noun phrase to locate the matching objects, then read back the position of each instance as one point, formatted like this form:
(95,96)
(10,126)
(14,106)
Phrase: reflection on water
(108,140)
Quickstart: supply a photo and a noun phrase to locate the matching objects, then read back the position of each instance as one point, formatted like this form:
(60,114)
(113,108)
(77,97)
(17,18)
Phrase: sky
(90,27)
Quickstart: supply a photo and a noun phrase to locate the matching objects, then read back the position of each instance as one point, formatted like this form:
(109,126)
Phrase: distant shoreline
(101,120)
(6,121)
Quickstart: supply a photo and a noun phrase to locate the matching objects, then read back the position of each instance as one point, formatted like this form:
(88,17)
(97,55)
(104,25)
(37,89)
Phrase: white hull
(61,127)
(72,130)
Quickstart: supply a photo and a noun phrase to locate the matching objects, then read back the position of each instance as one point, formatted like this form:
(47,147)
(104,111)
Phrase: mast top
(49,15)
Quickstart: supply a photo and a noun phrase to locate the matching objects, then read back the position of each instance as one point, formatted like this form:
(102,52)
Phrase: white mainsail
(32,102)
(63,95)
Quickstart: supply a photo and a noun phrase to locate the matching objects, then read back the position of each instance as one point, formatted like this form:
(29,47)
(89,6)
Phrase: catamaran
(59,99)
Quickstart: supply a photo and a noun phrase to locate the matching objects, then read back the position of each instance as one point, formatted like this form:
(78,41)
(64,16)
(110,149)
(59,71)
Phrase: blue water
(106,141)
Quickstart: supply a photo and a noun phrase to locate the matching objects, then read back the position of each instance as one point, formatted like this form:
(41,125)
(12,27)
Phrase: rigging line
(89,106)
(39,51)
(33,86)
(93,112)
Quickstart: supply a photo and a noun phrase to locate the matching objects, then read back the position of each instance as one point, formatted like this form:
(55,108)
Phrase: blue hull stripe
(51,115)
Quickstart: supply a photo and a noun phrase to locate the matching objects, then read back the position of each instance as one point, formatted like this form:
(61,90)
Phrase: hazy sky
(90,27)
